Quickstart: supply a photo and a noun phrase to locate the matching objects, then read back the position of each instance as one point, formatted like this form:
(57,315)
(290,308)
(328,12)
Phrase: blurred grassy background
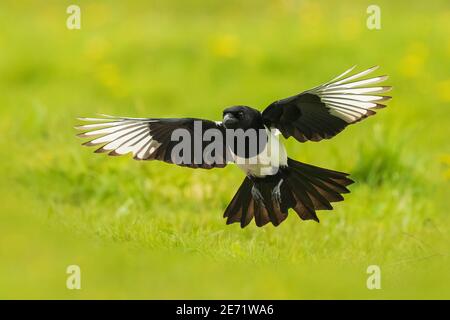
(151,230)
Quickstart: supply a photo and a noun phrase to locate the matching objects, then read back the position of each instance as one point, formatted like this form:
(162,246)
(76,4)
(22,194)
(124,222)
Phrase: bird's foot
(276,193)
(257,195)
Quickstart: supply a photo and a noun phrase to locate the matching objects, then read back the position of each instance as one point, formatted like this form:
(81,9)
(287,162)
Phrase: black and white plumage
(274,183)
(145,138)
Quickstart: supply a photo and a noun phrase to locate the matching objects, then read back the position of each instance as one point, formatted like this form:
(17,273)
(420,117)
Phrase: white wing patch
(119,136)
(352,98)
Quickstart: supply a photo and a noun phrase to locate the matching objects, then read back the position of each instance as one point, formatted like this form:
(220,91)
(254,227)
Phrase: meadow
(150,230)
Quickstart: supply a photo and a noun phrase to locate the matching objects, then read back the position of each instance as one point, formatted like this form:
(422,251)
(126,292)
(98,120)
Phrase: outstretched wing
(324,111)
(156,139)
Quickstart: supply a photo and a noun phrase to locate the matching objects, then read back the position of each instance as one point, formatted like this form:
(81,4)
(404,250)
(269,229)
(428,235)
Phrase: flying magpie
(274,183)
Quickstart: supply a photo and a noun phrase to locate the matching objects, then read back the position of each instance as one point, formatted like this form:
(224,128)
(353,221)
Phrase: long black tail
(300,186)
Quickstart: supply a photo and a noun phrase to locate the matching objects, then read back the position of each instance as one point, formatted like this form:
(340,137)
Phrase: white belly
(268,161)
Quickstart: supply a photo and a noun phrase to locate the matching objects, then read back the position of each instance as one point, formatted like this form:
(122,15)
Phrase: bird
(274,183)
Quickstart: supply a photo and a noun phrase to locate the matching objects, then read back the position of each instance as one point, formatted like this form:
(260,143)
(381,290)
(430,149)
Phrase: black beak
(230,121)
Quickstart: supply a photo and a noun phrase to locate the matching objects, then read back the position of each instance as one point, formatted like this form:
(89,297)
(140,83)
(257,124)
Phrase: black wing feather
(151,138)
(324,111)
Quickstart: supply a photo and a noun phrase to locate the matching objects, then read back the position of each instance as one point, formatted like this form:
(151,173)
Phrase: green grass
(152,230)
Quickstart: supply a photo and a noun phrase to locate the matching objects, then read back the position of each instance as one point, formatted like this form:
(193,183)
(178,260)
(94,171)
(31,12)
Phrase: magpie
(274,183)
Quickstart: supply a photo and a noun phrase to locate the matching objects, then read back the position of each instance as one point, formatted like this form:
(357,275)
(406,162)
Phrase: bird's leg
(276,192)
(257,195)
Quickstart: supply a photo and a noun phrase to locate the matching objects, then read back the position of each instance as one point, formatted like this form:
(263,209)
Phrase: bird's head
(242,117)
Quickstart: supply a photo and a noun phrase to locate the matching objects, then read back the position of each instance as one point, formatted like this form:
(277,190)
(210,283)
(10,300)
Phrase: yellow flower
(446,161)
(225,46)
(310,14)
(108,75)
(350,27)
(96,49)
(444,91)
(412,64)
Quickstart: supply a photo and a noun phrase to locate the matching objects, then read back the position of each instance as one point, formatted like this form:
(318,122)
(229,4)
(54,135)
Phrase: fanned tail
(300,186)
